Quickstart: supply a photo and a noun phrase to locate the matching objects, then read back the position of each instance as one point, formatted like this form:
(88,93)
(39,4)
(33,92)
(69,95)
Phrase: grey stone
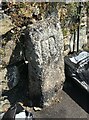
(44,52)
(5,24)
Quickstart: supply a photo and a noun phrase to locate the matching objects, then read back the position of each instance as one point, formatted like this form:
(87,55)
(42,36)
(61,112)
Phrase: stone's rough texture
(8,50)
(5,25)
(44,52)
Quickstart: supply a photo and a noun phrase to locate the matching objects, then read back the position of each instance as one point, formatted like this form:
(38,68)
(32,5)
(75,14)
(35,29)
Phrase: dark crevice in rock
(18,81)
(35,83)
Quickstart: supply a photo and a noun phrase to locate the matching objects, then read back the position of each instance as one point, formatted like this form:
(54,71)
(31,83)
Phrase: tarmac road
(74,104)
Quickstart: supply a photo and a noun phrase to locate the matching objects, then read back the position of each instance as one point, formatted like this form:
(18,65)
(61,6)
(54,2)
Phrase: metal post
(78,20)
(74,40)
(87,32)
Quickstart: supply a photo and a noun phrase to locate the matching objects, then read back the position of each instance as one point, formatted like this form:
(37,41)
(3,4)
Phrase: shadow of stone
(78,94)
(34,72)
(7,36)
(17,76)
(19,92)
(18,81)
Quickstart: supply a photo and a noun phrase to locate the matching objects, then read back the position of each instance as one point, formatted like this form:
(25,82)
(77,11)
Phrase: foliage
(24,13)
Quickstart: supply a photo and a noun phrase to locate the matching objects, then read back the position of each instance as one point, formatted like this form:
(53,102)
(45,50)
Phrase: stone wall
(44,52)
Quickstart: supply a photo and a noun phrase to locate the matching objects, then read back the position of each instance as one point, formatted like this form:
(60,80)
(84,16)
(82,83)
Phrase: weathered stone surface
(5,24)
(44,52)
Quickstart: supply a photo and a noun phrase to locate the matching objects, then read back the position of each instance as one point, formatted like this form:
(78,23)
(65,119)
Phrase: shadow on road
(78,94)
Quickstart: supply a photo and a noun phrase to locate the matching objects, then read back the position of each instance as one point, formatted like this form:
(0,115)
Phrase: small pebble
(26,62)
(24,27)
(19,28)
(37,108)
(5,107)
(0,66)
(12,31)
(46,104)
